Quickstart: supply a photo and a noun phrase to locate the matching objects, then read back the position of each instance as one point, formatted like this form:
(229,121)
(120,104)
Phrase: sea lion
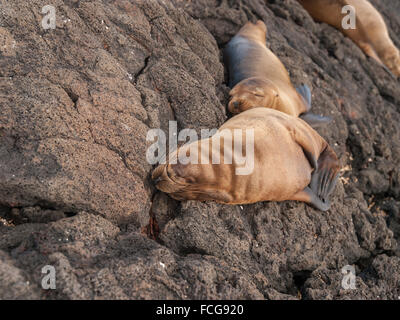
(370,34)
(258,78)
(291,161)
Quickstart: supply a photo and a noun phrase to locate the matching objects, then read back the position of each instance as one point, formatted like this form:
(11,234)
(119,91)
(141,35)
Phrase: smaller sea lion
(370,34)
(291,161)
(258,78)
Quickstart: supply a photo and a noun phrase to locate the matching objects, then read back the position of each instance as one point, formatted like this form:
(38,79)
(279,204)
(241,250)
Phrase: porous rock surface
(76,103)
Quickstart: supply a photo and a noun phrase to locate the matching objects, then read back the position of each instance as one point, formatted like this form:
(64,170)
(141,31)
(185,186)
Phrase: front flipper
(305,92)
(309,142)
(323,180)
(315,120)
(308,196)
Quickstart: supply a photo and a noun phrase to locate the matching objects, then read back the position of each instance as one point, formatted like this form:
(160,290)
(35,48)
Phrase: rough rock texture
(77,102)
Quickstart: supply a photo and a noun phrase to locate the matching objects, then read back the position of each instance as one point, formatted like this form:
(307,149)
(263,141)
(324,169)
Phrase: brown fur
(266,81)
(371,33)
(283,145)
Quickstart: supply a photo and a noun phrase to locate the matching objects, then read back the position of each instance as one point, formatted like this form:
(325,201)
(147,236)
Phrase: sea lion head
(252,93)
(256,31)
(176,178)
(169,178)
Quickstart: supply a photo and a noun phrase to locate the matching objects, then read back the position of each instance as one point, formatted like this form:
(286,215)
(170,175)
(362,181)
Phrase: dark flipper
(323,180)
(314,201)
(311,159)
(305,92)
(315,120)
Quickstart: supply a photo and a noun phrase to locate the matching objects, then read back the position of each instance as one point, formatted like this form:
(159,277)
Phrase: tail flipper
(305,92)
(315,120)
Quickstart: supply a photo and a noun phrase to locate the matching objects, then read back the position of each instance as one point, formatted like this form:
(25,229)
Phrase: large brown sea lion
(291,161)
(258,78)
(370,32)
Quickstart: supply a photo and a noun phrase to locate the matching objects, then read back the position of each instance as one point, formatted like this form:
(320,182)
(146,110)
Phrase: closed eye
(258,95)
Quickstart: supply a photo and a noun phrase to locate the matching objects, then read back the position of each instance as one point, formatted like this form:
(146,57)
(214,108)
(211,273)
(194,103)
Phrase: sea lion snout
(162,180)
(157,175)
(171,178)
(234,106)
(252,93)
(244,101)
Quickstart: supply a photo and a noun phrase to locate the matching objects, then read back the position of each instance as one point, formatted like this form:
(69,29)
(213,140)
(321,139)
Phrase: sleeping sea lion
(291,161)
(258,78)
(370,33)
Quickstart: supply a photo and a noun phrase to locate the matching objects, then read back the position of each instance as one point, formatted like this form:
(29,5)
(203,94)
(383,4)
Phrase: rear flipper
(323,181)
(315,120)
